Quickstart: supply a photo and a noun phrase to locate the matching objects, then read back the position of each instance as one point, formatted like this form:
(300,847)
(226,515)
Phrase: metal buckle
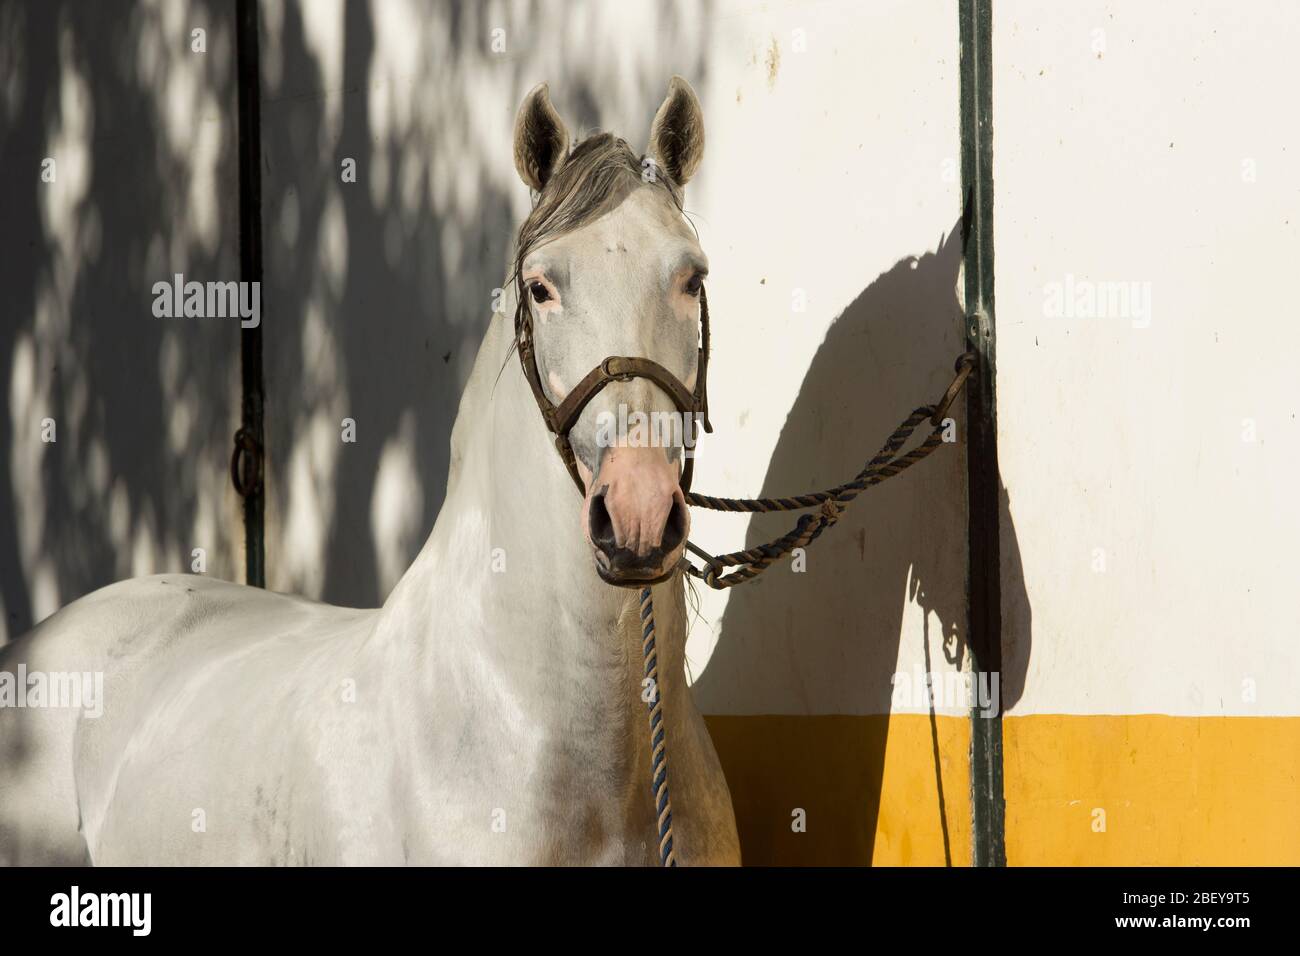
(615,376)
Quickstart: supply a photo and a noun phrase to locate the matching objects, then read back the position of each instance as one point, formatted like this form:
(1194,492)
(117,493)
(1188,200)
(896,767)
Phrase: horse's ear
(677,133)
(541,140)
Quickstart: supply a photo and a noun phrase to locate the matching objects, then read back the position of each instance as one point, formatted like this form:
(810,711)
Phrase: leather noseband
(561,418)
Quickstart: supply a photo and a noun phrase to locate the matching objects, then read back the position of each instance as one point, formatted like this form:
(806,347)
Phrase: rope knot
(831,511)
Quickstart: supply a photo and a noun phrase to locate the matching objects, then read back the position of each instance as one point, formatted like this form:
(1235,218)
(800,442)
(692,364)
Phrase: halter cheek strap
(561,418)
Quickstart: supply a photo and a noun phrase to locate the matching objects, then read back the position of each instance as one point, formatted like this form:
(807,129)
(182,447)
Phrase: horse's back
(127,644)
(39,822)
(39,817)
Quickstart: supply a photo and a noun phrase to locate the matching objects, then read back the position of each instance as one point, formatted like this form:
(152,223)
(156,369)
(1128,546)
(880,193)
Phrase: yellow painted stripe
(1080,790)
(868,785)
(1171,791)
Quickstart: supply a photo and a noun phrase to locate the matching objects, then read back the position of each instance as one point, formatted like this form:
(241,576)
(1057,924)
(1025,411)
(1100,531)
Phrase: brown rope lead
(832,502)
(752,562)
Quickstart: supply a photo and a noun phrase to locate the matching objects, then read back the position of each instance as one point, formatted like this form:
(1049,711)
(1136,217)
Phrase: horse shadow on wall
(821,647)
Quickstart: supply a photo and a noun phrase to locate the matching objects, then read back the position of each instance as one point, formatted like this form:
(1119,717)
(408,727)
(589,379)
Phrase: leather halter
(561,418)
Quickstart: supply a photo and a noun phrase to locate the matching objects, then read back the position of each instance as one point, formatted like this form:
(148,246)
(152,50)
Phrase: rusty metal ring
(964,365)
(248,452)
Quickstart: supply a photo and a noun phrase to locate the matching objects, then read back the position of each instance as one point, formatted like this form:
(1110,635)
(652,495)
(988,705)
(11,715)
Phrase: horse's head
(607,265)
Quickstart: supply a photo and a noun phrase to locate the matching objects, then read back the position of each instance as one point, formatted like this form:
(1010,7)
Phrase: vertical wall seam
(250,268)
(988,814)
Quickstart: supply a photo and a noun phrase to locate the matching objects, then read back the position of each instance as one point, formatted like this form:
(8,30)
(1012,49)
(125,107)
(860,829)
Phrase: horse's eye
(694,284)
(540,292)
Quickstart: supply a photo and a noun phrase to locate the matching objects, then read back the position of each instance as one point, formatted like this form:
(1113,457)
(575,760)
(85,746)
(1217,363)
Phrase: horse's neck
(505,585)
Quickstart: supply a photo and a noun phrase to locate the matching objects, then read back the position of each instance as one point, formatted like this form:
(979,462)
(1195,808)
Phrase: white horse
(491,711)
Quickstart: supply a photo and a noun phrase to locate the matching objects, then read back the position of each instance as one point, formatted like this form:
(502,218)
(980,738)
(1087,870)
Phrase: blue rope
(658,739)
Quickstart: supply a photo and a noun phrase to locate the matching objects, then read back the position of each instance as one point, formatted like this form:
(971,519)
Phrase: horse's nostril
(675,529)
(600,524)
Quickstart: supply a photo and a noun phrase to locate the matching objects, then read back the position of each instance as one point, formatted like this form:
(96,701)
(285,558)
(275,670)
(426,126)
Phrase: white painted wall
(831,173)
(143,134)
(1151,144)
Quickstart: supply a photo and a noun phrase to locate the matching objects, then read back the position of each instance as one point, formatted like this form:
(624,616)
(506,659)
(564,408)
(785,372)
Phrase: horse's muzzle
(635,517)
